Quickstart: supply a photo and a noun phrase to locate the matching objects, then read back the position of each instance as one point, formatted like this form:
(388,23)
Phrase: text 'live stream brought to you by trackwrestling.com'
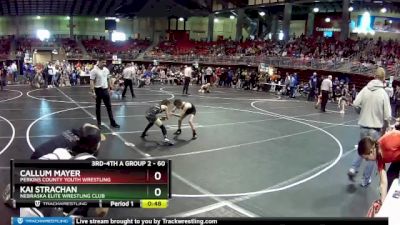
(195,221)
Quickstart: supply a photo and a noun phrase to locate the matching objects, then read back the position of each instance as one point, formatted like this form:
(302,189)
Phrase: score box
(89,181)
(153,203)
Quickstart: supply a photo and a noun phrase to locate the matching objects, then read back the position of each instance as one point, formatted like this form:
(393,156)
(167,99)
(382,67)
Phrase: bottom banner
(196,221)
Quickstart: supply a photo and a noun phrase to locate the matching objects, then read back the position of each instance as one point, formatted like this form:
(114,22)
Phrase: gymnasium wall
(146,27)
(141,27)
(150,27)
(198,27)
(297,27)
(28,25)
(7,26)
(225,27)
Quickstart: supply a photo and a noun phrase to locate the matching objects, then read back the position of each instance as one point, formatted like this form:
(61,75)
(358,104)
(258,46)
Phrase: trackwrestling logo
(42,220)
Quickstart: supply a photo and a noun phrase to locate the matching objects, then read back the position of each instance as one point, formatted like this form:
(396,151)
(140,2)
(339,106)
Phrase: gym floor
(256,155)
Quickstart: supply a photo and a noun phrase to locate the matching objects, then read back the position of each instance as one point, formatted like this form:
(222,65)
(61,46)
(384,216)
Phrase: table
(85,79)
(271,87)
(391,206)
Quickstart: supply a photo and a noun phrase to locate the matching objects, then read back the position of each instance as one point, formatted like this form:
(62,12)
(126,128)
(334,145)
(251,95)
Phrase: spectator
(313,85)
(287,83)
(74,78)
(344,99)
(389,90)
(14,71)
(375,112)
(397,102)
(384,150)
(293,85)
(229,78)
(353,93)
(3,77)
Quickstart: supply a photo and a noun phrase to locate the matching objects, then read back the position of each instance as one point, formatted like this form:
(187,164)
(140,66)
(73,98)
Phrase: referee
(128,73)
(326,88)
(187,72)
(100,84)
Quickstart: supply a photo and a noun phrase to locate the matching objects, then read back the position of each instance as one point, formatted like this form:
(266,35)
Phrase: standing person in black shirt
(319,82)
(253,77)
(3,76)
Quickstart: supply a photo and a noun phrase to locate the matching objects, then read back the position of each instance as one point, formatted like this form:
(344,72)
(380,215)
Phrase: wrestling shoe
(352,174)
(167,141)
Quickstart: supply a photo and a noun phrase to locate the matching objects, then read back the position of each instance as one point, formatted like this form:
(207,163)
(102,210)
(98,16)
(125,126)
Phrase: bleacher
(71,48)
(104,48)
(5,45)
(297,47)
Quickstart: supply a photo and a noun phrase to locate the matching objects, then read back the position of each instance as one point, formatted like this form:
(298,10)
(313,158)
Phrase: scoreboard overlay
(92,183)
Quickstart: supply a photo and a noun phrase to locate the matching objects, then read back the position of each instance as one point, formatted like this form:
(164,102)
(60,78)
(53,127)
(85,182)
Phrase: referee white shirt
(51,70)
(100,77)
(188,72)
(326,84)
(209,71)
(127,73)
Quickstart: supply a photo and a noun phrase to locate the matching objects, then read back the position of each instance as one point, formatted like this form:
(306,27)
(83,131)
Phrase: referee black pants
(311,95)
(102,94)
(207,79)
(128,83)
(324,101)
(49,80)
(186,85)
